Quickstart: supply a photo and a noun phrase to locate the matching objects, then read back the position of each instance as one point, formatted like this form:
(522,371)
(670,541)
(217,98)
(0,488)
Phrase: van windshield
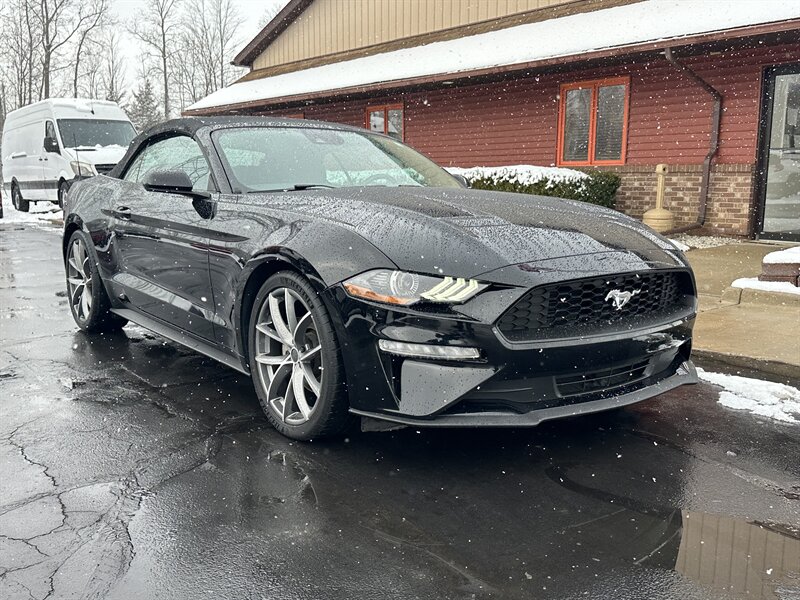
(79,133)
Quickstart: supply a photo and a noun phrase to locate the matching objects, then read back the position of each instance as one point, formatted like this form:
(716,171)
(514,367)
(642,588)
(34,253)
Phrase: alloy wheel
(79,280)
(288,356)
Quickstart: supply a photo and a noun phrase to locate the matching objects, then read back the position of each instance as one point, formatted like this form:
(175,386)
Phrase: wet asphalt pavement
(132,468)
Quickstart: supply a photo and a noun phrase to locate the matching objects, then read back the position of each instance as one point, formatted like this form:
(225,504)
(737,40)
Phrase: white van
(48,145)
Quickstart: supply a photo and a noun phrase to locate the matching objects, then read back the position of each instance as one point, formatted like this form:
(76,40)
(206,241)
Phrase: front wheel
(88,301)
(295,361)
(62,194)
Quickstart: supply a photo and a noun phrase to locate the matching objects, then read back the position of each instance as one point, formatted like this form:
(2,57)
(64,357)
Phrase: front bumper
(686,374)
(511,384)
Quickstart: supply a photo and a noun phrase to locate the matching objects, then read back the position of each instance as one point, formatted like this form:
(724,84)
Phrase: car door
(161,239)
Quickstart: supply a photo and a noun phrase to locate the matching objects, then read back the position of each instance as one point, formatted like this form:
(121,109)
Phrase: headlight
(400,287)
(82,169)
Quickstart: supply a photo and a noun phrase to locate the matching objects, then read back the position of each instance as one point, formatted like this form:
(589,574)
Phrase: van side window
(49,129)
(178,153)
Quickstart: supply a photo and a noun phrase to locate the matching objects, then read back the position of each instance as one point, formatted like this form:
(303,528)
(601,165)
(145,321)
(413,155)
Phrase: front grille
(103,169)
(582,306)
(603,380)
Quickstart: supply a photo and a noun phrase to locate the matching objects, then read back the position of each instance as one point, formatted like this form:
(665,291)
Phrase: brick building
(710,88)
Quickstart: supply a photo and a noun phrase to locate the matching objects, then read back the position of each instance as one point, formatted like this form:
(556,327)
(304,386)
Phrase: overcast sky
(125,10)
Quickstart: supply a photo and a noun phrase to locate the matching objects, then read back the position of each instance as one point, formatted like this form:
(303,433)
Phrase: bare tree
(208,40)
(113,73)
(59,21)
(20,52)
(269,13)
(84,37)
(157,29)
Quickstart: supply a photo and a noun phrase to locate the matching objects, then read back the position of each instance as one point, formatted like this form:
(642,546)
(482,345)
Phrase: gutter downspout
(716,115)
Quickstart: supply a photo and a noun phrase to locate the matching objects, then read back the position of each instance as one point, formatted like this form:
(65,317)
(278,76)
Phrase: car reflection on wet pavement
(132,468)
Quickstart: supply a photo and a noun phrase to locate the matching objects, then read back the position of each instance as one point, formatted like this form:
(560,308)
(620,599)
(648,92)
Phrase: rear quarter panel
(87,208)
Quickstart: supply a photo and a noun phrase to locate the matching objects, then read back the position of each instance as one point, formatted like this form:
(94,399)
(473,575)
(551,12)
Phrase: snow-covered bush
(597,187)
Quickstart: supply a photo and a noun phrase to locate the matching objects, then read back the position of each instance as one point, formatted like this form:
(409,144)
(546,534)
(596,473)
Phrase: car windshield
(89,133)
(268,159)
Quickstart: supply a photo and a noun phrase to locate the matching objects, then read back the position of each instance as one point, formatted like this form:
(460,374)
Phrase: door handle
(122,212)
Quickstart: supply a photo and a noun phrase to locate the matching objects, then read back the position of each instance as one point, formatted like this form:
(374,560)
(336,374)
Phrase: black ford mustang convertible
(350,276)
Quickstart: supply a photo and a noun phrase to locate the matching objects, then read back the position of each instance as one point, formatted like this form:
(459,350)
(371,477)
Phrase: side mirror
(169,182)
(462,180)
(51,145)
(172,182)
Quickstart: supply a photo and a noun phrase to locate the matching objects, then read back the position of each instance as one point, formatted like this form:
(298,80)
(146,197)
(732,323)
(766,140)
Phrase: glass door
(780,156)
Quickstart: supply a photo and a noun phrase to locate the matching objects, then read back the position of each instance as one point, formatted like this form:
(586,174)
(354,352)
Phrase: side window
(49,129)
(179,153)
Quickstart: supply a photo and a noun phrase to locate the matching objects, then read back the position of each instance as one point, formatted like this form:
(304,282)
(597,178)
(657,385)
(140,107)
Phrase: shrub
(593,186)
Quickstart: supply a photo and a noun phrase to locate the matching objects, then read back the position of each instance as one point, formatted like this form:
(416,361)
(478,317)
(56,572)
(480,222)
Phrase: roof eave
(287,15)
(644,47)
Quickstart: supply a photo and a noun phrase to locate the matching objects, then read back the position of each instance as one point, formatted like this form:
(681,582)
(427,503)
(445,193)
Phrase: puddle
(757,560)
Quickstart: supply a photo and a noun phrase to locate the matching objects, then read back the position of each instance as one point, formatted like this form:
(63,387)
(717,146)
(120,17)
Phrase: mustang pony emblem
(620,298)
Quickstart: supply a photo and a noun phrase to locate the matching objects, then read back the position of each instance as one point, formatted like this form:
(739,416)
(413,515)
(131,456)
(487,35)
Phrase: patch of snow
(522,174)
(564,36)
(680,245)
(790,255)
(704,241)
(753,283)
(41,212)
(765,398)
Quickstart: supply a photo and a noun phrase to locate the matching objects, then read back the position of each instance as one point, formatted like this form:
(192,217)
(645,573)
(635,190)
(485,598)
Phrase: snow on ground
(703,241)
(764,398)
(42,212)
(522,174)
(790,255)
(753,283)
(565,36)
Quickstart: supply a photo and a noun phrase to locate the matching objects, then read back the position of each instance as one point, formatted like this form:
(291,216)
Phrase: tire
(18,201)
(86,295)
(312,360)
(62,194)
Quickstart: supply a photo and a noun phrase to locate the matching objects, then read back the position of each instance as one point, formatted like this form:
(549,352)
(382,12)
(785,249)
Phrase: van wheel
(18,201)
(62,194)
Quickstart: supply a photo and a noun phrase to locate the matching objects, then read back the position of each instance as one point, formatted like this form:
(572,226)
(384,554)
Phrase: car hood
(467,233)
(99,155)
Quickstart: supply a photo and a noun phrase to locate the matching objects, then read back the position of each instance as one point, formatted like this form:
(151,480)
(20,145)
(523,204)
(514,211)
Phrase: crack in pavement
(105,536)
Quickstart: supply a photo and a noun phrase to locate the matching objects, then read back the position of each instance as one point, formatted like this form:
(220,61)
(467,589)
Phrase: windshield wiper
(308,186)
(295,187)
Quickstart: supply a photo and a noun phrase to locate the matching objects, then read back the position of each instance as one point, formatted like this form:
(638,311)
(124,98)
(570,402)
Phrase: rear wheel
(295,361)
(18,201)
(87,297)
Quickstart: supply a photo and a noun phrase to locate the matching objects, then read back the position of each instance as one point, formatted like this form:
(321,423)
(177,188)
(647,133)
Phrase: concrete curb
(734,295)
(749,363)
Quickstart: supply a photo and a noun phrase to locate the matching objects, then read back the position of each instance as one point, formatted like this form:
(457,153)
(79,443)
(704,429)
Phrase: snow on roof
(616,27)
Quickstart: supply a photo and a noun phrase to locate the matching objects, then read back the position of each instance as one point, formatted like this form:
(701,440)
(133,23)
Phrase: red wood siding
(516,121)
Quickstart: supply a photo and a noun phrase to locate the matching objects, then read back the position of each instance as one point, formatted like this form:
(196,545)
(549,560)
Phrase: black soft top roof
(191,125)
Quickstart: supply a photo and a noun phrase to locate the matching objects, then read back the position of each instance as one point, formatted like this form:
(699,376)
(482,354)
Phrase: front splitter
(685,375)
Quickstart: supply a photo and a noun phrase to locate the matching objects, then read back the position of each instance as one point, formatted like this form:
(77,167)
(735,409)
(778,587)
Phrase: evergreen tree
(143,109)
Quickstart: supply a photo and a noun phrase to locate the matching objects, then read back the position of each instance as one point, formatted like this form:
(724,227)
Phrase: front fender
(322,252)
